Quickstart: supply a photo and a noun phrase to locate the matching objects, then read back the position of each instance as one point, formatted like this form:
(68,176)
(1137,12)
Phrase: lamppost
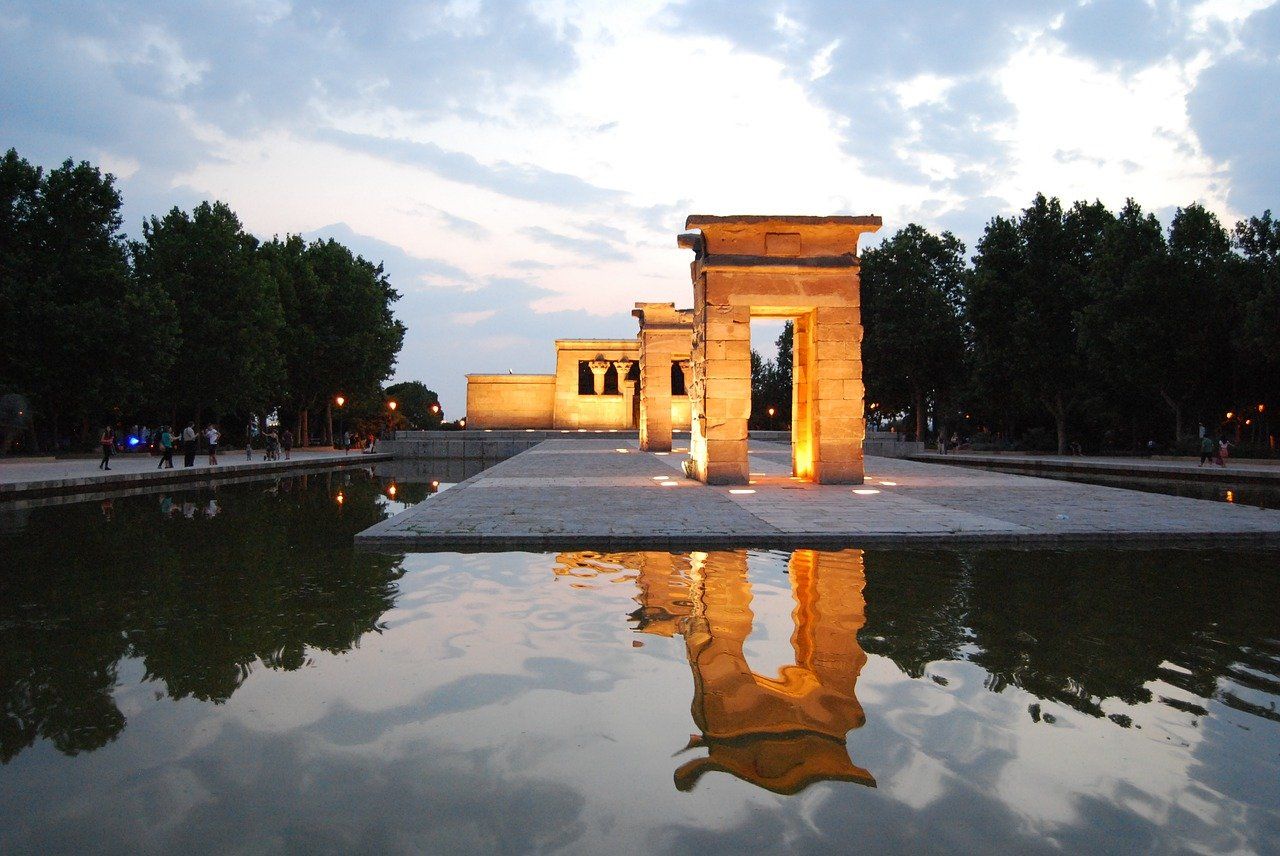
(435,409)
(391,413)
(339,401)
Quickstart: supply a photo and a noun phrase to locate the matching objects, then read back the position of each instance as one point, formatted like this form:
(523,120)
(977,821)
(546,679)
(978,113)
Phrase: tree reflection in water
(1091,630)
(200,586)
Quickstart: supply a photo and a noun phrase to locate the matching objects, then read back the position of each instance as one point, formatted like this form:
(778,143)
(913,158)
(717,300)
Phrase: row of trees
(1072,325)
(197,320)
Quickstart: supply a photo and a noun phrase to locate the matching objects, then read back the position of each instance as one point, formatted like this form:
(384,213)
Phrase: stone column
(626,387)
(686,369)
(721,392)
(839,428)
(598,368)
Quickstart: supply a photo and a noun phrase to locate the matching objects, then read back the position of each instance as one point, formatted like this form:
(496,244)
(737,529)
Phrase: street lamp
(391,407)
(338,401)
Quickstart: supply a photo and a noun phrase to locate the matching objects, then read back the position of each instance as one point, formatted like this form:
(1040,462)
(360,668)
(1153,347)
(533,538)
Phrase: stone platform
(21,480)
(606,494)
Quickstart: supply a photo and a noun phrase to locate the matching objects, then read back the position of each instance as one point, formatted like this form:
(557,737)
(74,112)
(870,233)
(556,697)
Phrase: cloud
(1128,33)
(520,181)
(1235,110)
(591,248)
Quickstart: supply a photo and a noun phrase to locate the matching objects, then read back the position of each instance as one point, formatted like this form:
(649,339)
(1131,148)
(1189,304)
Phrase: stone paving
(607,494)
(20,479)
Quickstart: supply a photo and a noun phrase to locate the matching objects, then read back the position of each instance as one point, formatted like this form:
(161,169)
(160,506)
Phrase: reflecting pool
(219,670)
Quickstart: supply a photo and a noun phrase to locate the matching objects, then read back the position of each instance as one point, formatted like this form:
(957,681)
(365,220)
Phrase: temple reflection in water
(781,732)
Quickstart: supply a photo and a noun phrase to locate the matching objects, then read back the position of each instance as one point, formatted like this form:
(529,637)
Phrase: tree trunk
(1176,407)
(328,422)
(919,401)
(1058,409)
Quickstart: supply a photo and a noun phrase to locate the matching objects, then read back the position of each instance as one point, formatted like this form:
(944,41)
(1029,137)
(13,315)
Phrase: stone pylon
(802,268)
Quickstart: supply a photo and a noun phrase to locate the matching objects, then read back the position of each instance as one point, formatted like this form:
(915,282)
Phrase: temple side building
(595,387)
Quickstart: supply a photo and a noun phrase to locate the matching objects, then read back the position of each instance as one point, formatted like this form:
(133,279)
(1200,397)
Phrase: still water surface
(219,671)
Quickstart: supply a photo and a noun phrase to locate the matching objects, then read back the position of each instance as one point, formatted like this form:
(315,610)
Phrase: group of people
(276,442)
(165,442)
(367,442)
(1216,451)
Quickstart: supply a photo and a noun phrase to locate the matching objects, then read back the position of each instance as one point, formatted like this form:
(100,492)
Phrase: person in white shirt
(211,434)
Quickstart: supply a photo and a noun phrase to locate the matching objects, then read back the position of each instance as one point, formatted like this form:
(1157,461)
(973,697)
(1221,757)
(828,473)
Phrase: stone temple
(690,369)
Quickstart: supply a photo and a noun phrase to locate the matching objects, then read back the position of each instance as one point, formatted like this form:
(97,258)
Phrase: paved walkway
(1239,471)
(606,494)
(19,479)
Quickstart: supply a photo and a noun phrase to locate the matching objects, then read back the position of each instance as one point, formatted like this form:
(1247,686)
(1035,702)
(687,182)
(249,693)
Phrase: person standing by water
(189,445)
(346,441)
(286,442)
(1206,450)
(166,448)
(108,443)
(211,435)
(1224,452)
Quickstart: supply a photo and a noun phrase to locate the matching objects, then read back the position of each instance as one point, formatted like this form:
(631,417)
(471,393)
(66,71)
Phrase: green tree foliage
(83,337)
(1030,282)
(1254,274)
(414,403)
(913,348)
(228,307)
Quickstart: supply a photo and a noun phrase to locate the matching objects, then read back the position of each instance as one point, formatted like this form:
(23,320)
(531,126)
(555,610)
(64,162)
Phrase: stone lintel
(699,221)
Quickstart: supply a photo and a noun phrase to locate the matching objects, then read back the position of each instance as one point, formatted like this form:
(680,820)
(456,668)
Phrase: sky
(522,169)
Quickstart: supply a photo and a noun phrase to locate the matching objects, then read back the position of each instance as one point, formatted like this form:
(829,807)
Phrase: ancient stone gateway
(665,340)
(803,268)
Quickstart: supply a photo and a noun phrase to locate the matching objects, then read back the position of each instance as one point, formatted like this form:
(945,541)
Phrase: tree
(303,298)
(83,337)
(1126,352)
(358,332)
(1028,288)
(228,308)
(913,347)
(1254,276)
(417,406)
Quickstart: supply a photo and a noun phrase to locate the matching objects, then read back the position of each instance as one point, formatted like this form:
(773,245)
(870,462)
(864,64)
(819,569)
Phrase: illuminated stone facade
(802,268)
(595,388)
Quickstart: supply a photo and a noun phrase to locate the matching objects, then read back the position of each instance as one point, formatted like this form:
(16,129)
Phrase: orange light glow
(392,405)
(340,498)
(1230,414)
(1262,408)
(340,401)
(1231,496)
(391,491)
(771,412)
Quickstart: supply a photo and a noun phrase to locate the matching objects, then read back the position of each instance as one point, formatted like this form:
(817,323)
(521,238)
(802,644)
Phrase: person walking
(166,448)
(108,443)
(346,441)
(1224,452)
(1207,448)
(286,442)
(211,435)
(189,445)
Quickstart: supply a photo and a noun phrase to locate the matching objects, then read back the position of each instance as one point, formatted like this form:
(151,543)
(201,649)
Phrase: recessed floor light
(865,491)
(741,490)
(661,478)
(669,483)
(662,453)
(889,484)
